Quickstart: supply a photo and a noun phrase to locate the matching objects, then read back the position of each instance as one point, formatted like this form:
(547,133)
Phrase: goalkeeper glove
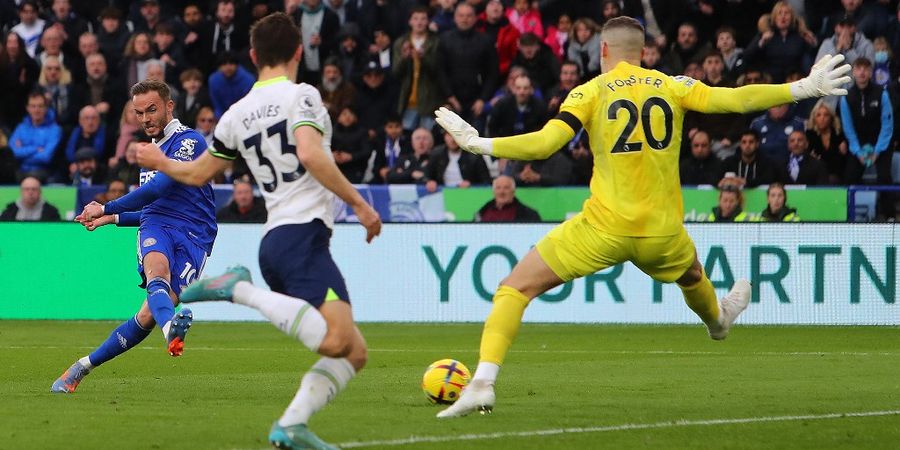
(825,78)
(464,134)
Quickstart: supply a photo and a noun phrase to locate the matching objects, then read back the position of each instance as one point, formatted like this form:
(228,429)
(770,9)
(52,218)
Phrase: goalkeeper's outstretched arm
(530,146)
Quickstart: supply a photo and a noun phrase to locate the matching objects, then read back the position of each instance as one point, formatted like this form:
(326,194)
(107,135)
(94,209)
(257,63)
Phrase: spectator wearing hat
(376,99)
(847,41)
(229,83)
(337,93)
(90,132)
(30,206)
(87,171)
(417,69)
(350,54)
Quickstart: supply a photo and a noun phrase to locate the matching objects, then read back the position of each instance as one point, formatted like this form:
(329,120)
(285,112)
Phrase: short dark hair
(275,39)
(37,93)
(529,39)
(110,12)
(143,87)
(569,62)
(862,61)
(752,132)
(420,10)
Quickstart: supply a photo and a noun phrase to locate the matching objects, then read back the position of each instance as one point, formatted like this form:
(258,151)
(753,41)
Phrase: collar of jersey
(169,130)
(270,81)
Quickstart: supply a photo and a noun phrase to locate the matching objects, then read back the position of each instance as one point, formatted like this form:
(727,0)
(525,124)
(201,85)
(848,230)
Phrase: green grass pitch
(563,387)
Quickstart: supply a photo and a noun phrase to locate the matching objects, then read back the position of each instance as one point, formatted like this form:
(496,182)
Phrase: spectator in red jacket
(493,23)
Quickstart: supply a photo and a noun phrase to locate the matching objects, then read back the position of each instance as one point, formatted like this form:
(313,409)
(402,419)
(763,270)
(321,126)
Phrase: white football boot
(730,307)
(477,396)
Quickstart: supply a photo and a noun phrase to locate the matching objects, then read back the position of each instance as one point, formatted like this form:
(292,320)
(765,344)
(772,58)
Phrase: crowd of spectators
(383,66)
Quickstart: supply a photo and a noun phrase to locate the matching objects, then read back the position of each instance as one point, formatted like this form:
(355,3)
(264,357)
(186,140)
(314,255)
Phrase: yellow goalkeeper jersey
(633,117)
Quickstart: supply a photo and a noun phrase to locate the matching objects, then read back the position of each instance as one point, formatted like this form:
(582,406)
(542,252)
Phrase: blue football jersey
(189,209)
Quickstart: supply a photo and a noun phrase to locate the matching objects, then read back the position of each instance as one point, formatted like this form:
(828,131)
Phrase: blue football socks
(159,301)
(125,336)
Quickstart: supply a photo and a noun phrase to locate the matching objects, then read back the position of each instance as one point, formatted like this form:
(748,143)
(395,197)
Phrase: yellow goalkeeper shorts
(576,248)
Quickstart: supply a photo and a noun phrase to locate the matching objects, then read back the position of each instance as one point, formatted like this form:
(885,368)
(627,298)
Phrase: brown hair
(143,87)
(190,74)
(275,39)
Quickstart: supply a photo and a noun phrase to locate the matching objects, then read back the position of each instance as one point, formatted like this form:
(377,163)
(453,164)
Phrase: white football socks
(319,386)
(86,362)
(293,316)
(486,371)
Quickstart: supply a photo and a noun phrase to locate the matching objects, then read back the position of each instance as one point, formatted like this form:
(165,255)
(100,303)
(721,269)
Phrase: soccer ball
(444,380)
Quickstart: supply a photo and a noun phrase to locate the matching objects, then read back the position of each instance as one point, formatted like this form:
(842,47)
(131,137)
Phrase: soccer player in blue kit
(177,227)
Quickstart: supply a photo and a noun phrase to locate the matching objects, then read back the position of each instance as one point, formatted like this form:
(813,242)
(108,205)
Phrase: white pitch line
(601,429)
(457,351)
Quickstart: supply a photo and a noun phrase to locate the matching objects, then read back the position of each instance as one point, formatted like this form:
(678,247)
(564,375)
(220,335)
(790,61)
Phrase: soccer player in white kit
(283,132)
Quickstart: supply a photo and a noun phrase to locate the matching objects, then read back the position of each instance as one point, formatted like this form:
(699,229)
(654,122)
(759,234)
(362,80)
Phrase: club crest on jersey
(149,242)
(186,152)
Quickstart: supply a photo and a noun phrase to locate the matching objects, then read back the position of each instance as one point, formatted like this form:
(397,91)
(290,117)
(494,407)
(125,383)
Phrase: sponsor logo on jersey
(145,177)
(688,81)
(186,152)
(148,242)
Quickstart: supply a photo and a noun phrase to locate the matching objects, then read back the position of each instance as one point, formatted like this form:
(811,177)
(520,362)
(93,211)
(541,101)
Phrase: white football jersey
(261,127)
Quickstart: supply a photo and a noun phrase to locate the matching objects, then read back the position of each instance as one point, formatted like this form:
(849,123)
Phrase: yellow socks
(701,298)
(502,324)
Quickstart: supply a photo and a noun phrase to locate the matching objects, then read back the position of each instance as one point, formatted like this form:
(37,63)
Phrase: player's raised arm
(313,157)
(827,77)
(195,173)
(530,146)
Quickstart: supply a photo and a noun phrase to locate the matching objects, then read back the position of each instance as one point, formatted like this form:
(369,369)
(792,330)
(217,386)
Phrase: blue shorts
(295,260)
(186,258)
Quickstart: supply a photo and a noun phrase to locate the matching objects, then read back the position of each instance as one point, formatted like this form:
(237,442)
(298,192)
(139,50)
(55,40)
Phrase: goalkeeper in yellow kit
(635,213)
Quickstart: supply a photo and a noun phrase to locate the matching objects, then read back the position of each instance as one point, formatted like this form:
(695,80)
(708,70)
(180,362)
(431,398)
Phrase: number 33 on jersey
(633,117)
(261,127)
